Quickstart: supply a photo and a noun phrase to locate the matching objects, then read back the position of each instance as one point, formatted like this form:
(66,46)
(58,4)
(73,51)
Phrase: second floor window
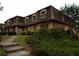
(43,13)
(26,20)
(30,19)
(21,20)
(34,17)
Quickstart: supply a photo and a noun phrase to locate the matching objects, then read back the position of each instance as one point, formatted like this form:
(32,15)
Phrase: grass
(20,38)
(5,37)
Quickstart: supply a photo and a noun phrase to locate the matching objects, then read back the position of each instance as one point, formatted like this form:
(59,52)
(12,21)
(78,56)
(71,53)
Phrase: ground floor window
(21,29)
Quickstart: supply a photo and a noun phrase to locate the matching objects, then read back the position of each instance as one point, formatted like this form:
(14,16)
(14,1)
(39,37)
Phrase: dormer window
(43,13)
(30,19)
(26,18)
(34,16)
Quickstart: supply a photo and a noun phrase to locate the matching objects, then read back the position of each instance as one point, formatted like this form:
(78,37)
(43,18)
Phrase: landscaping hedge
(55,42)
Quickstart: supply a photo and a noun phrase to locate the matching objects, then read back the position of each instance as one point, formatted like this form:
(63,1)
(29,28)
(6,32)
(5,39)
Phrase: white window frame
(34,15)
(26,18)
(44,10)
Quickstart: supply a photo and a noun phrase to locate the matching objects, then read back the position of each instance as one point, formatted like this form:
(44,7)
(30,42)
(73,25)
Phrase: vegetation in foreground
(73,12)
(55,42)
(5,37)
(20,38)
(2,52)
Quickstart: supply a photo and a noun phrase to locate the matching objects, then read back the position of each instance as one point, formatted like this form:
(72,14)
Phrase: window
(34,16)
(26,20)
(43,13)
(21,29)
(30,19)
(21,20)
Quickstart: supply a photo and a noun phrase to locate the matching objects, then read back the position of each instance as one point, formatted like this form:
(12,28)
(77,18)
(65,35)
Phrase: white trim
(44,10)
(34,15)
(52,13)
(26,18)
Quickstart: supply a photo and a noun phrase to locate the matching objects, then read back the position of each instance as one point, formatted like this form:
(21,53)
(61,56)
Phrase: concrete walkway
(13,48)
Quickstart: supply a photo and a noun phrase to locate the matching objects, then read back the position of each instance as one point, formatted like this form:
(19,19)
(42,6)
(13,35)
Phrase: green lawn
(5,37)
(21,38)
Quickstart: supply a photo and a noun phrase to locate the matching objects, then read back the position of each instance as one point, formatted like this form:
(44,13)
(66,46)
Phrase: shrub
(2,52)
(53,42)
(29,33)
(23,33)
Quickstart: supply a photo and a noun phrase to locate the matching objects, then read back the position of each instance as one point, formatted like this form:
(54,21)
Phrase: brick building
(48,17)
(1,26)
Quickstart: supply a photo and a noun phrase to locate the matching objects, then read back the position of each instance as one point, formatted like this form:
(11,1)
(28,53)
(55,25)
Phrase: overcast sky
(26,7)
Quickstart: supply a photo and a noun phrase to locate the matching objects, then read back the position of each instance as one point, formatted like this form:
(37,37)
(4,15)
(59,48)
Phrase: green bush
(54,42)
(23,33)
(29,33)
(2,52)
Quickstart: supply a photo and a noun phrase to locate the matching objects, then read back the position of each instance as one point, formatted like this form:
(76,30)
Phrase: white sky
(27,7)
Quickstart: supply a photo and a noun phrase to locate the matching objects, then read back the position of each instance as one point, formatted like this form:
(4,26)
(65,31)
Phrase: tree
(73,12)
(1,7)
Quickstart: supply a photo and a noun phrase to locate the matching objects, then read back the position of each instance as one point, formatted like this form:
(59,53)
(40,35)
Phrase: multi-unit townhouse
(1,27)
(14,24)
(48,17)
(1,31)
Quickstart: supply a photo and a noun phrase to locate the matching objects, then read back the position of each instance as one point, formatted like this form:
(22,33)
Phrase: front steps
(19,53)
(15,49)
